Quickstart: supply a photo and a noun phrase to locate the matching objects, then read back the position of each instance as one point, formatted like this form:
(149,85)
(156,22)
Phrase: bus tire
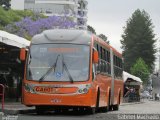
(115,107)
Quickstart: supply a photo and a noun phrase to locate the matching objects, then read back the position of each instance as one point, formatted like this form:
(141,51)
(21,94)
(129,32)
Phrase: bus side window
(103,58)
(99,62)
(100,56)
(97,66)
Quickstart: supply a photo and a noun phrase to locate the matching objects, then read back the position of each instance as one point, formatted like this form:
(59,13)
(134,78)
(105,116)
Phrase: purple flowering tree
(28,27)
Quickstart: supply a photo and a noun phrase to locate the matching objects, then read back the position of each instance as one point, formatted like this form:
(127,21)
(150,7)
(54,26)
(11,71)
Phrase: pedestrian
(127,92)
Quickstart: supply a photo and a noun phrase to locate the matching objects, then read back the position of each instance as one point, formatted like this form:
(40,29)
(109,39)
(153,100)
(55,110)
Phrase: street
(147,107)
(79,59)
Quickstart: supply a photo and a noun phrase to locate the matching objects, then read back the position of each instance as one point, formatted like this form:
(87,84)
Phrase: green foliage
(91,29)
(6,17)
(138,40)
(5,4)
(11,16)
(103,37)
(141,70)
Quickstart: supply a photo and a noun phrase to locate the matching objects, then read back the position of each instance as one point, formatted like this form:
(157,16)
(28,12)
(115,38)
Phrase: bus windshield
(58,62)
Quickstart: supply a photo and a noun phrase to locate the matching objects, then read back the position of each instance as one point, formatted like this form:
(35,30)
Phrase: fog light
(85,90)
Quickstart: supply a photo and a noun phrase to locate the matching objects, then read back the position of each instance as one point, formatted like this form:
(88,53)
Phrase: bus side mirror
(95,56)
(22,54)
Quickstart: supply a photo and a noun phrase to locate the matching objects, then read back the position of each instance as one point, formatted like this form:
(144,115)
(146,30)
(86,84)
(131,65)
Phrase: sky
(109,17)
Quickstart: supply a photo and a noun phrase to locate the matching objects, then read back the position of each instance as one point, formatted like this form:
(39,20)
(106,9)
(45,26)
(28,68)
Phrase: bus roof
(68,36)
(63,36)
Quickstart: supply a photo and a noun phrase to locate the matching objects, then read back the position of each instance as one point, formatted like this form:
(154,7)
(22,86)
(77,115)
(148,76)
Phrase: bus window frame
(27,58)
(106,71)
(118,66)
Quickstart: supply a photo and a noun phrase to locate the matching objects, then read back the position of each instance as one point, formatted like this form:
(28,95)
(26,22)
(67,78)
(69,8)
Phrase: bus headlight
(84,88)
(82,91)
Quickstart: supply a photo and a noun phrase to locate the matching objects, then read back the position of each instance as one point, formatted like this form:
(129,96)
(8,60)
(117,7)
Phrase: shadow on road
(67,113)
(61,113)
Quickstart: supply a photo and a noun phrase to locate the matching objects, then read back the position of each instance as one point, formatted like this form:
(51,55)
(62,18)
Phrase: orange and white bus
(71,69)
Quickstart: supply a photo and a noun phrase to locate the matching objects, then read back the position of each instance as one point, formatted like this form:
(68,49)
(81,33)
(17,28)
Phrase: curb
(132,103)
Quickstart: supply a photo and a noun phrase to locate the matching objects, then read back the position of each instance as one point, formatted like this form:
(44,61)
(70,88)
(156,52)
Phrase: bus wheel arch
(119,97)
(116,107)
(97,98)
(109,100)
(93,110)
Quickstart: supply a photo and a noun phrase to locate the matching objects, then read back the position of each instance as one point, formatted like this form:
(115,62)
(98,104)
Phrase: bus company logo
(49,90)
(58,75)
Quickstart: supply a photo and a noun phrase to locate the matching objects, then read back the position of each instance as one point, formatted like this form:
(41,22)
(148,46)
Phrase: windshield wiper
(49,70)
(68,73)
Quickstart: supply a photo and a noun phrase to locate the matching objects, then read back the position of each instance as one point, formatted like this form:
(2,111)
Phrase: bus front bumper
(87,99)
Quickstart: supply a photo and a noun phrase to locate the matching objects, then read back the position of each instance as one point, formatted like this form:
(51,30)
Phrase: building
(75,9)
(19,6)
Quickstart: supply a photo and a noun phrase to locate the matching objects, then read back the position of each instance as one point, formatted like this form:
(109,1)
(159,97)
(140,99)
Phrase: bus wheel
(103,109)
(39,110)
(115,107)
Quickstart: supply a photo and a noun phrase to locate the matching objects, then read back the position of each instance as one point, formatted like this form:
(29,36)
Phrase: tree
(11,16)
(28,27)
(141,70)
(138,40)
(91,29)
(103,37)
(5,4)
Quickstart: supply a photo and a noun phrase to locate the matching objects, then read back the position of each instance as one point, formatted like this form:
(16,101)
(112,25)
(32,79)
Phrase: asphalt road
(146,109)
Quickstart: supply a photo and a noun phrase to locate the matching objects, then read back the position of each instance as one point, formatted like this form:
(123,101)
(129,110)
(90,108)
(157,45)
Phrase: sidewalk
(131,103)
(16,108)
